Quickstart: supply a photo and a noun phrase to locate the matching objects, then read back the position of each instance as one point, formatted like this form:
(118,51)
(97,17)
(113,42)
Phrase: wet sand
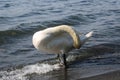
(115,75)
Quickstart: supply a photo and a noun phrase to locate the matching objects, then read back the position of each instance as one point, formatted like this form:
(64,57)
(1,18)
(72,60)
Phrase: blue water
(19,19)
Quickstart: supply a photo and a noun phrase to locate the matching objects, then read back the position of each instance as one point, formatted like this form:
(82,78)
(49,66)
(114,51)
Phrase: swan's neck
(71,32)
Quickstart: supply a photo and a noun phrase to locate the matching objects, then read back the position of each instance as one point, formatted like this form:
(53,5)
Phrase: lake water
(19,19)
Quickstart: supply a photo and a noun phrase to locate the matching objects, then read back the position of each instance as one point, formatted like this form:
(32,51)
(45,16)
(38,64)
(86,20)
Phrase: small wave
(26,28)
(20,30)
(21,74)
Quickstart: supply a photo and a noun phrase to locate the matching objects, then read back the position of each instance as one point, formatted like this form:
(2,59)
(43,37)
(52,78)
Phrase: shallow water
(19,19)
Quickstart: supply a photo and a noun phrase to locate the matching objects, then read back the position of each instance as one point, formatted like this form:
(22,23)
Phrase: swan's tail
(86,37)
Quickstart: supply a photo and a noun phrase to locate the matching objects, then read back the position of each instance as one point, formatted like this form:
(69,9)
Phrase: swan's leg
(62,58)
(58,57)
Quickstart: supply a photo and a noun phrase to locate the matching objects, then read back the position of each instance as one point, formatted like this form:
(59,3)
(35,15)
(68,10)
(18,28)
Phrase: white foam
(19,74)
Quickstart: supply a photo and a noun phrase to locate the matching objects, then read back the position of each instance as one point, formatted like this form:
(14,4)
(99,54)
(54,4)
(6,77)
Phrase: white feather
(89,34)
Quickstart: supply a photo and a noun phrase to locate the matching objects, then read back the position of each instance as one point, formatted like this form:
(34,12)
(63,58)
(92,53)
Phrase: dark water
(19,19)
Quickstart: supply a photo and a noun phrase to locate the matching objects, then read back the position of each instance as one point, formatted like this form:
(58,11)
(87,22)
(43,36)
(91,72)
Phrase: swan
(59,40)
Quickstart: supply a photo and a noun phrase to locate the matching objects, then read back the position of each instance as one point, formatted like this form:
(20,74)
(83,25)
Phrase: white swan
(59,40)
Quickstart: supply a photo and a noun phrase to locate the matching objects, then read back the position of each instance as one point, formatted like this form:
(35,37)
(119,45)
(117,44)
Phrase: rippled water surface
(19,19)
